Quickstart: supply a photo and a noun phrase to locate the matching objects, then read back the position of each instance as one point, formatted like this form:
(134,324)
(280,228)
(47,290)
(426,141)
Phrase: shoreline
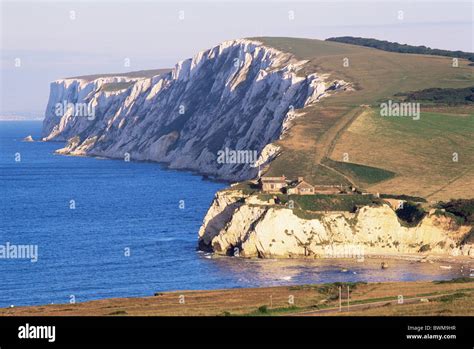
(421,258)
(439,262)
(344,265)
(411,257)
(163,165)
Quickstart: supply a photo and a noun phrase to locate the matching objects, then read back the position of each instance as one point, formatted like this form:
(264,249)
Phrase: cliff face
(243,225)
(239,95)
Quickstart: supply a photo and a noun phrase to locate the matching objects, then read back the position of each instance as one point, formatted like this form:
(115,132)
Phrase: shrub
(118,312)
(402,48)
(425,248)
(451,297)
(459,280)
(410,214)
(403,197)
(462,208)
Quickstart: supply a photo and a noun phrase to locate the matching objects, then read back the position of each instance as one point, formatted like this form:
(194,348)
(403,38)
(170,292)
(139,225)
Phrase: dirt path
(330,138)
(339,173)
(337,130)
(463,174)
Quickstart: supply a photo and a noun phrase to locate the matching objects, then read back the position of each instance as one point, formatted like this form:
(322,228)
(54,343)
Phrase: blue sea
(126,232)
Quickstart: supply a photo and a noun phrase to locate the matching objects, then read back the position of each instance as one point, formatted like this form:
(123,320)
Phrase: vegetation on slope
(461,208)
(403,197)
(401,48)
(333,202)
(450,96)
(410,214)
(323,202)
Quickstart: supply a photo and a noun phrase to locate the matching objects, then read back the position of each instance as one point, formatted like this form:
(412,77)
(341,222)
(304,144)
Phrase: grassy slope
(420,152)
(361,173)
(378,75)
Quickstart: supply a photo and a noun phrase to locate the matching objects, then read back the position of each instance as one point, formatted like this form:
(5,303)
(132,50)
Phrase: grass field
(404,156)
(447,298)
(360,173)
(419,152)
(323,202)
(332,202)
(377,74)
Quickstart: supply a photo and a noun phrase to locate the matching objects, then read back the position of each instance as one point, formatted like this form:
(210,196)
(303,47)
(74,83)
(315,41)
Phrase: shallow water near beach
(128,235)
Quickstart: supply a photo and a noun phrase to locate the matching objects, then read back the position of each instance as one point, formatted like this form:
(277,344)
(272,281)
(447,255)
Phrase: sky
(57,39)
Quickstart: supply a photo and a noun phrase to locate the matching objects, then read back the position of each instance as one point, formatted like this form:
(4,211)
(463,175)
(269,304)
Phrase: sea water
(110,228)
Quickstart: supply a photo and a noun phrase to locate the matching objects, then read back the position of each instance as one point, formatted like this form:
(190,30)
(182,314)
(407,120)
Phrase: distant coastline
(20,118)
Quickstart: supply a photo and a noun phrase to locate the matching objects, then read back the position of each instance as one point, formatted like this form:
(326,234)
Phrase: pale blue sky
(51,45)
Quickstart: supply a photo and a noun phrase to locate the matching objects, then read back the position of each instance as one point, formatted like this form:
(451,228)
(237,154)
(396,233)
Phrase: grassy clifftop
(343,139)
(134,74)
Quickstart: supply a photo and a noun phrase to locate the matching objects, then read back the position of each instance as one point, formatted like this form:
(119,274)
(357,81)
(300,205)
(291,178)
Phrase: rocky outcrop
(28,138)
(239,95)
(241,224)
(221,211)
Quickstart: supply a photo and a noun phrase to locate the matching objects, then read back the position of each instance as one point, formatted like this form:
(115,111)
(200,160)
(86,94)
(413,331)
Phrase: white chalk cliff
(239,95)
(244,225)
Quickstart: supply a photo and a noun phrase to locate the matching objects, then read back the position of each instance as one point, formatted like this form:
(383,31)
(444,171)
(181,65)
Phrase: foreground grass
(457,304)
(455,298)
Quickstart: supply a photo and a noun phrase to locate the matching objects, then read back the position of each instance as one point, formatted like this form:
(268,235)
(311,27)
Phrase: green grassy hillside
(394,155)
